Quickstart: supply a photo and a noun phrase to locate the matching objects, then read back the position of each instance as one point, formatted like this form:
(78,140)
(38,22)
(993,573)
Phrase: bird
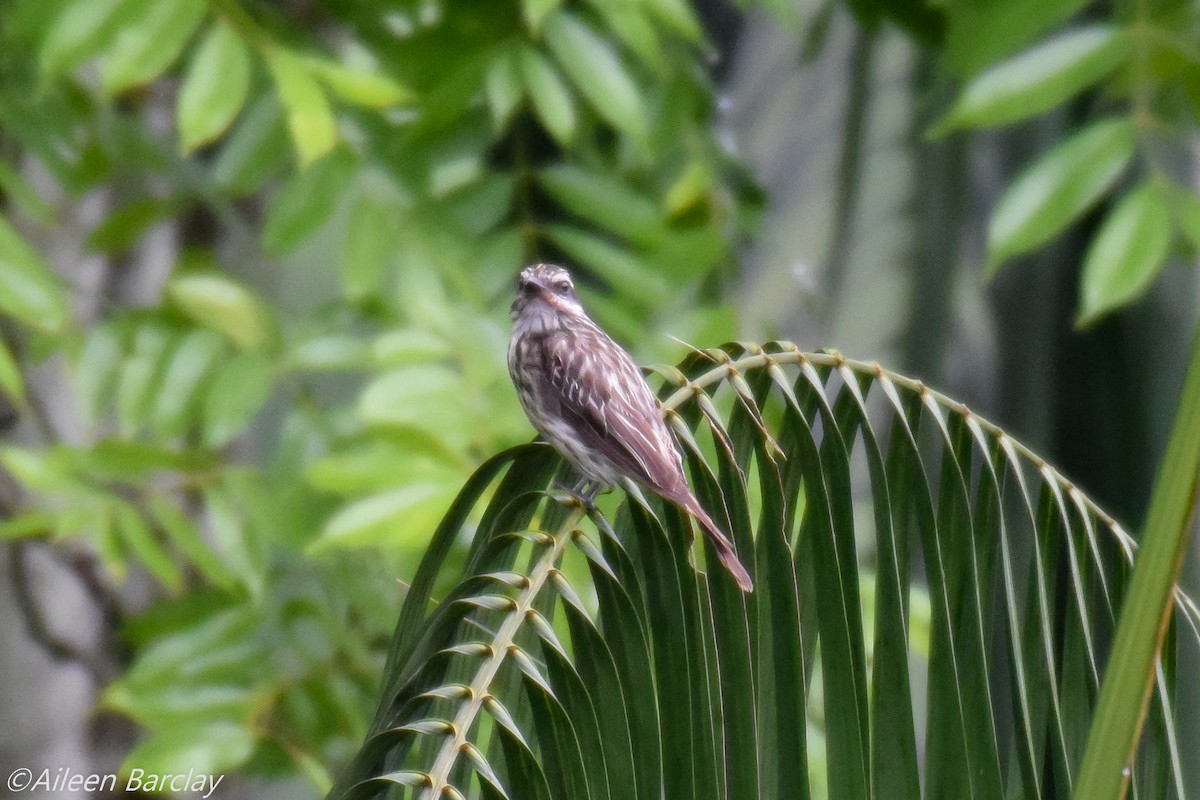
(588,398)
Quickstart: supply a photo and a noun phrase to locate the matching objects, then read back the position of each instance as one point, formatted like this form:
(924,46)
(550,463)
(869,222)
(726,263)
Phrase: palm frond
(933,610)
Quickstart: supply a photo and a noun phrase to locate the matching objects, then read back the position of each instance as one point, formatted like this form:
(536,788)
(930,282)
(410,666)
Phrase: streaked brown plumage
(588,399)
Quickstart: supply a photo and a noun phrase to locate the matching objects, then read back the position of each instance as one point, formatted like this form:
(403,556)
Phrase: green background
(256,261)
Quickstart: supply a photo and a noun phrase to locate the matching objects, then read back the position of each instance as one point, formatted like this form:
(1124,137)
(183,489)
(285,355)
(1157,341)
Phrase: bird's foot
(585,491)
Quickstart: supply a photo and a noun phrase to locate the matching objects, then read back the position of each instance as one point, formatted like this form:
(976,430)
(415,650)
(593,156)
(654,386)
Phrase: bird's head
(546,289)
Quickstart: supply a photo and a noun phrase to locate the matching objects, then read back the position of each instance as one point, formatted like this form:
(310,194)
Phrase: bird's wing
(602,392)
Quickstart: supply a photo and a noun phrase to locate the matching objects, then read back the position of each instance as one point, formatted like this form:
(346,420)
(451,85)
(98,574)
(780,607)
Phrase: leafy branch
(661,648)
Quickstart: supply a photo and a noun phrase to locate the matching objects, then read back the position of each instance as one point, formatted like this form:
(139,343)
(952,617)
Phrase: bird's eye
(562,287)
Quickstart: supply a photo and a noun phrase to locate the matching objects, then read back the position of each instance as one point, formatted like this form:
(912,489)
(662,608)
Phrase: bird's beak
(533,289)
(527,291)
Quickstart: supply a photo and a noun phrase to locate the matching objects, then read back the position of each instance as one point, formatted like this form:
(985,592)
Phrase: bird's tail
(720,542)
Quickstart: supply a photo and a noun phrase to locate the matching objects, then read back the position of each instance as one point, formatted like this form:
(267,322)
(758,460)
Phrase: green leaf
(205,747)
(314,130)
(1059,187)
(26,525)
(235,395)
(306,201)
(1038,79)
(167,703)
(143,544)
(182,532)
(692,188)
(360,86)
(407,346)
(1126,254)
(11,382)
(121,229)
(140,376)
(80,30)
(679,16)
(241,547)
(1186,209)
(535,11)
(502,86)
(378,465)
(188,366)
(95,370)
(369,248)
(421,291)
(223,305)
(634,29)
(22,195)
(330,353)
(403,516)
(193,637)
(980,34)
(214,88)
(29,291)
(256,150)
(479,210)
(39,470)
(31,21)
(597,72)
(425,397)
(551,98)
(257,497)
(123,460)
(454,173)
(604,200)
(148,42)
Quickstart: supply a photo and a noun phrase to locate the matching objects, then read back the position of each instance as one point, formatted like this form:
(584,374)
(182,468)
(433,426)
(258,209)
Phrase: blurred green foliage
(270,429)
(272,435)
(1142,67)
